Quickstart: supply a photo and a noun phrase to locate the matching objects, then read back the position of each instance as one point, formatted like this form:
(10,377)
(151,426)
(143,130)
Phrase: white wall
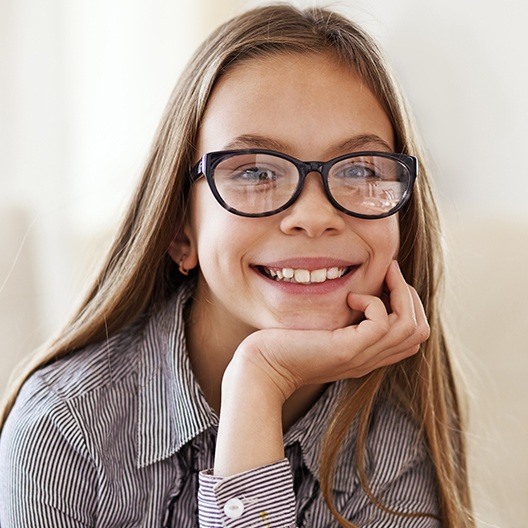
(83,84)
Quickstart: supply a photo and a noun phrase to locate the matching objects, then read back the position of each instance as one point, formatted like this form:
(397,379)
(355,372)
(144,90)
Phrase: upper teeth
(304,276)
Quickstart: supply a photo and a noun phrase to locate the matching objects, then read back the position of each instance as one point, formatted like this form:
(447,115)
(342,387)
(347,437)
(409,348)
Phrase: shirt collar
(172,408)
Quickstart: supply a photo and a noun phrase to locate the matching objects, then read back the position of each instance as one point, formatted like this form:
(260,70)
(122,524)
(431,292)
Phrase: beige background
(82,87)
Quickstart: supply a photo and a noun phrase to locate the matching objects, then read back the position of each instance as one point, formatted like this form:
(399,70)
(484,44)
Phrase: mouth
(304,276)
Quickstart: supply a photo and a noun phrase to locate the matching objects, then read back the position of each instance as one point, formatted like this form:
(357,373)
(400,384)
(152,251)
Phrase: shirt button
(234,508)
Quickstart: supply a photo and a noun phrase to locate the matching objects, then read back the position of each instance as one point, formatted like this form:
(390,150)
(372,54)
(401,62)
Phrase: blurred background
(83,85)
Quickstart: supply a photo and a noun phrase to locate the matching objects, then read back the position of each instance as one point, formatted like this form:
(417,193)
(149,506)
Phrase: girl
(251,353)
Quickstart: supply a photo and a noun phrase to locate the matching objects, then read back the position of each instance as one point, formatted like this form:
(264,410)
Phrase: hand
(270,365)
(289,359)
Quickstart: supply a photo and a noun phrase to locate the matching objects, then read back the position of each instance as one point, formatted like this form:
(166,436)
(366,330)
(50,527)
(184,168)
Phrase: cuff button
(234,508)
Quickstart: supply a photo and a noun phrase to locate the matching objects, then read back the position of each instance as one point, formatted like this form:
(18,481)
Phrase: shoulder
(393,428)
(398,463)
(101,380)
(395,441)
(394,445)
(42,451)
(56,437)
(76,420)
(57,403)
(49,395)
(94,367)
(398,472)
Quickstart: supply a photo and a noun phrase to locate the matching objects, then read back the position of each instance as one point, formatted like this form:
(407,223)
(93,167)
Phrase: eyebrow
(354,144)
(364,142)
(253,141)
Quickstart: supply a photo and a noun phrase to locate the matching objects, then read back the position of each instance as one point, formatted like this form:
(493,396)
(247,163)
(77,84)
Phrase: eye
(255,174)
(358,171)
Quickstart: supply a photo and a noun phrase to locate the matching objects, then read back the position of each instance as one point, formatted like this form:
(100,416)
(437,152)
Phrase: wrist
(250,370)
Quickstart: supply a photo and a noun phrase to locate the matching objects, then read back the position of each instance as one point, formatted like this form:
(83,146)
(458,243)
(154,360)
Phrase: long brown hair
(139,273)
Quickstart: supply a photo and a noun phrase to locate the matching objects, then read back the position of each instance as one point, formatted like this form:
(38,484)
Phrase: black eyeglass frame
(208,162)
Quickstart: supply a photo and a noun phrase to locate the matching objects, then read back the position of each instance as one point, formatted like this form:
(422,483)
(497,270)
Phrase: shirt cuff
(259,498)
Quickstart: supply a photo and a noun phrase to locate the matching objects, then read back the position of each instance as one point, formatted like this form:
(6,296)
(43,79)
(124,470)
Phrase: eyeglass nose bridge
(306,167)
(311,166)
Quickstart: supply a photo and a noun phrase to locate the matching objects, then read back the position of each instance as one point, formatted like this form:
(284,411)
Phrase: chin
(320,321)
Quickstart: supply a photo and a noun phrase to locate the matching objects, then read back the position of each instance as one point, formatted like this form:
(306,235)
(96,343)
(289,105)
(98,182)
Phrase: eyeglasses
(257,182)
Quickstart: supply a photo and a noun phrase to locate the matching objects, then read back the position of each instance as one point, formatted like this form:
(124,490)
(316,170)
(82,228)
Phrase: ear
(183,248)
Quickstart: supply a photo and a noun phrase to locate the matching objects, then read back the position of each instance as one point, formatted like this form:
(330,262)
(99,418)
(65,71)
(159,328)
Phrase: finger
(423,329)
(385,297)
(411,344)
(401,301)
(346,344)
(380,360)
(354,345)
(360,349)
(408,324)
(396,357)
(411,324)
(376,322)
(398,325)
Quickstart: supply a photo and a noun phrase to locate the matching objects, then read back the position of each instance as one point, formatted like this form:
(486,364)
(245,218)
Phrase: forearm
(250,432)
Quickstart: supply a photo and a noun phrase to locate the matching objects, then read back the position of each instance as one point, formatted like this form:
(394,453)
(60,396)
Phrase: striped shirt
(119,434)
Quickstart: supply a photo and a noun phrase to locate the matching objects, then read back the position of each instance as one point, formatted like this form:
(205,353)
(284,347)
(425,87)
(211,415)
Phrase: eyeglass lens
(258,183)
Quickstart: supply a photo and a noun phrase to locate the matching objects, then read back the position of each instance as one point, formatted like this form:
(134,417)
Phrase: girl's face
(313,108)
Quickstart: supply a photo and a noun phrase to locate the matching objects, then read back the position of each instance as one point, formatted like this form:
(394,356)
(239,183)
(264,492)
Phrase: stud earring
(182,269)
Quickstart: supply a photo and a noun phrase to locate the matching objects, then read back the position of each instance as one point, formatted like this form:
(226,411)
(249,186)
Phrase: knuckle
(424,331)
(414,350)
(361,372)
(407,353)
(408,329)
(413,289)
(344,355)
(382,329)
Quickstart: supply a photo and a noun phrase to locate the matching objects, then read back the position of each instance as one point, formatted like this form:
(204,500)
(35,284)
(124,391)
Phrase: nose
(312,213)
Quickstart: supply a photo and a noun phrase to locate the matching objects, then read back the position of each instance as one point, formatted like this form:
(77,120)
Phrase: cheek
(220,237)
(383,237)
(394,236)
(202,226)
(205,216)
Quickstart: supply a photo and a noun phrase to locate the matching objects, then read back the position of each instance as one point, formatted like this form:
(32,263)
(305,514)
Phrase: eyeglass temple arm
(197,171)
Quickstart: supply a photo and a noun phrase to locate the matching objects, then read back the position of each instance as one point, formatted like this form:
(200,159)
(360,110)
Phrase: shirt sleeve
(46,475)
(260,498)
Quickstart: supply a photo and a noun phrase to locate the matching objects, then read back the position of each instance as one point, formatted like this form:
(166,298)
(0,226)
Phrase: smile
(304,276)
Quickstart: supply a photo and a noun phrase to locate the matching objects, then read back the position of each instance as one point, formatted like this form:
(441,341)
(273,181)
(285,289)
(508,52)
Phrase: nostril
(313,215)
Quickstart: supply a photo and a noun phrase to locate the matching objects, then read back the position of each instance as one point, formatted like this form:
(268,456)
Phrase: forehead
(312,105)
